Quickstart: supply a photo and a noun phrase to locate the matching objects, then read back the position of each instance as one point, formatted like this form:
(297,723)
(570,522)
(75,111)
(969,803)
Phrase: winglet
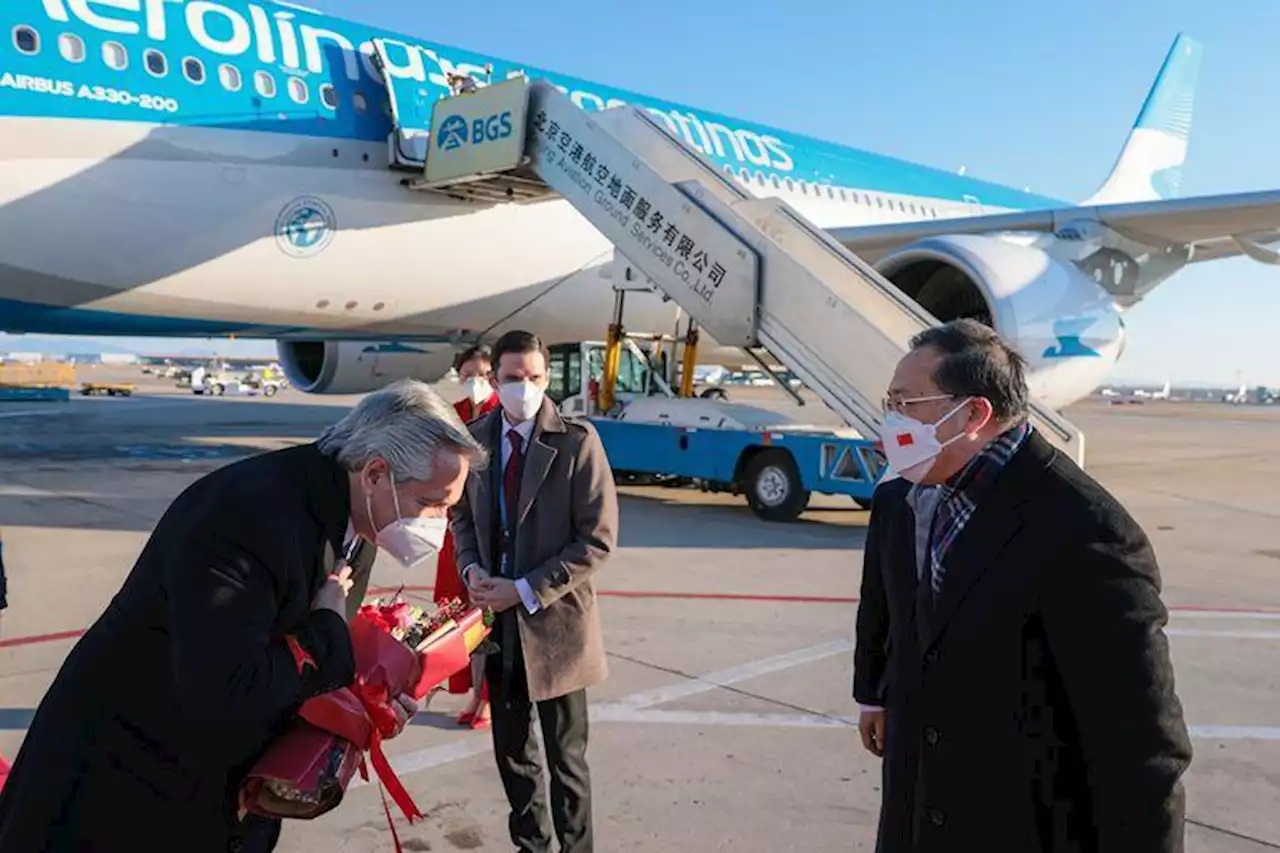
(1150,165)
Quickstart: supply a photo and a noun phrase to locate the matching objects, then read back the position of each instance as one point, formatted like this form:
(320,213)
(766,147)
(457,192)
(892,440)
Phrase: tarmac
(727,721)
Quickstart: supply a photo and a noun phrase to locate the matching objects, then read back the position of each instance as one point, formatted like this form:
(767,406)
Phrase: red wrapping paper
(319,755)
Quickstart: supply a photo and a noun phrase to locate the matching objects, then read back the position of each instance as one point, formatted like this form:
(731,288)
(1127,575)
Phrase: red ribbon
(362,714)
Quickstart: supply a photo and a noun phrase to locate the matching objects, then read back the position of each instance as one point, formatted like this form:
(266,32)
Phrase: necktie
(511,479)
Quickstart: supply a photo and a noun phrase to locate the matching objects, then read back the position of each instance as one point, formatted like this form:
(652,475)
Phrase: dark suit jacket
(1037,711)
(568,527)
(145,734)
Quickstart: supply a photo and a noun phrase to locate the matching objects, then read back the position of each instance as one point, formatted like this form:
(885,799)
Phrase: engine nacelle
(357,367)
(1065,325)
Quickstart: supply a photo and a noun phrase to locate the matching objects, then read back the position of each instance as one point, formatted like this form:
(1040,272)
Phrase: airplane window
(760,178)
(156,63)
(71,47)
(329,95)
(879,202)
(843,197)
(193,70)
(115,56)
(265,84)
(298,90)
(790,186)
(26,40)
(359,102)
(746,176)
(230,78)
(913,210)
(777,184)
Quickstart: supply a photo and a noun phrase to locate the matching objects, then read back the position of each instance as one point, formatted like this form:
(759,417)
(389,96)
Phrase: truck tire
(773,486)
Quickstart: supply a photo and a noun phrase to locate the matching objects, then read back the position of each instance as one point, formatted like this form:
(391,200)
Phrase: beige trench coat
(567,528)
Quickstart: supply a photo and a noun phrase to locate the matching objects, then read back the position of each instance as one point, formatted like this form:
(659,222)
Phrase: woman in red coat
(475,372)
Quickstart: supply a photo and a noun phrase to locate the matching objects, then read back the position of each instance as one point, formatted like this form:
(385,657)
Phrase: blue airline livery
(197,168)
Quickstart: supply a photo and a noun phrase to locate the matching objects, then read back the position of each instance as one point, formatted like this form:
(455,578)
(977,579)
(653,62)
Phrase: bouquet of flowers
(399,649)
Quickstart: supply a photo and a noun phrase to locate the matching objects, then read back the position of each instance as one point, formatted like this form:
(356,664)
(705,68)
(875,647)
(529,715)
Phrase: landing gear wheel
(714,394)
(270,390)
(219,390)
(773,486)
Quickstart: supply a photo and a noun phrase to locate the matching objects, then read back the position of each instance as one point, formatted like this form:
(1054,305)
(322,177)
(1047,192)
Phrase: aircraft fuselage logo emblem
(305,227)
(452,133)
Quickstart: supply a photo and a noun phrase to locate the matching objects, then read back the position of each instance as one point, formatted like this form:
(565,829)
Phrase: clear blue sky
(1037,95)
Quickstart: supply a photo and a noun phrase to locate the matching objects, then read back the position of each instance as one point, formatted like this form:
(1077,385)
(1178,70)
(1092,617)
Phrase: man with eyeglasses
(1010,664)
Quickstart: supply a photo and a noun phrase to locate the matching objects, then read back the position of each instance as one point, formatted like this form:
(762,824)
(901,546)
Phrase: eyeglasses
(899,404)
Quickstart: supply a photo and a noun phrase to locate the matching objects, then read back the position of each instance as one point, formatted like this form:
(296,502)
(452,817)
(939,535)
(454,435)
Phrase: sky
(1037,95)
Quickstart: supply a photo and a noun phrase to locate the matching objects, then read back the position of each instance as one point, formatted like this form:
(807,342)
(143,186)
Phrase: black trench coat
(164,704)
(1033,711)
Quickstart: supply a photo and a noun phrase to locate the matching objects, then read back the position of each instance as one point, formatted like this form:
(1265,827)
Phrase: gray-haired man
(233,615)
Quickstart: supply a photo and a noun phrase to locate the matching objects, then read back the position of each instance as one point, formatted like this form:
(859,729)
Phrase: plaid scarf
(959,498)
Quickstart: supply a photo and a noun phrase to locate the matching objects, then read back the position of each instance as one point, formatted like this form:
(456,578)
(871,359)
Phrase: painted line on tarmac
(733,675)
(1266,615)
(1234,635)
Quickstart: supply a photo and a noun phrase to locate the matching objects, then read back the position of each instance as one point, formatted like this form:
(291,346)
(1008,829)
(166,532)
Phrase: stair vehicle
(751,272)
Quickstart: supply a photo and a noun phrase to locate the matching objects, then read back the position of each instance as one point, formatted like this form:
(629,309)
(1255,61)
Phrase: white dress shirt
(524,430)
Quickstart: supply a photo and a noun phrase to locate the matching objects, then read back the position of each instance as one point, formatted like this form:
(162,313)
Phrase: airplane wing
(1216,227)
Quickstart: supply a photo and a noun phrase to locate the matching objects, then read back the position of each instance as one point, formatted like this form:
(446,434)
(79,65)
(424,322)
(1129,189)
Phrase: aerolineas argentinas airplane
(193,168)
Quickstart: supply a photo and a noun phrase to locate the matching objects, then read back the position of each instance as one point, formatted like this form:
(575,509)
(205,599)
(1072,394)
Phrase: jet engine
(357,367)
(1058,317)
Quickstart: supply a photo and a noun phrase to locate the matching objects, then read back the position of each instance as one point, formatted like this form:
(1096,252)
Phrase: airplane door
(411,102)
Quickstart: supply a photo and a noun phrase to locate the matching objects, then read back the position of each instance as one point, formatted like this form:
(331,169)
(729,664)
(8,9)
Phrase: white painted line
(1234,635)
(733,675)
(614,713)
(21,491)
(1235,732)
(425,759)
(1266,615)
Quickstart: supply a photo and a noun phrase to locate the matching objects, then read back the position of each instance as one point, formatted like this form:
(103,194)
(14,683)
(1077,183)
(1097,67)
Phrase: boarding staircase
(751,271)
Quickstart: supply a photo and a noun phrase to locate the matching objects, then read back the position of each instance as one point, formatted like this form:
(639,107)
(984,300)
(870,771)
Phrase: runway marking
(733,675)
(1235,732)
(1234,635)
(1180,612)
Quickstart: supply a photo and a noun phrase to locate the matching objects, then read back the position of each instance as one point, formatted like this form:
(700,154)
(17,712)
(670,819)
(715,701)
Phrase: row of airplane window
(116,57)
(844,195)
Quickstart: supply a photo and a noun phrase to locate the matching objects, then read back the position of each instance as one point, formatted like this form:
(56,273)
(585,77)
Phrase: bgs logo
(305,227)
(454,132)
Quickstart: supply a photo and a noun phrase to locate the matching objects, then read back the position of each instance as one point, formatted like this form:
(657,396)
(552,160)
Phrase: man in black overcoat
(234,614)
(1010,663)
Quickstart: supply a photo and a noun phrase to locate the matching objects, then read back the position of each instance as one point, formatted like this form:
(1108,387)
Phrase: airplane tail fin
(1150,164)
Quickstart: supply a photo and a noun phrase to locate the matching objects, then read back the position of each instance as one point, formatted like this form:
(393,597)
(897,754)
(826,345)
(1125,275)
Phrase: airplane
(174,168)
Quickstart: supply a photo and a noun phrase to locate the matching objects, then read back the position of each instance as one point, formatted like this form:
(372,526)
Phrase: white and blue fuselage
(195,168)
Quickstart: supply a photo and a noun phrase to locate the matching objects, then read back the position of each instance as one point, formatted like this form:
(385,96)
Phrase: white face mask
(477,390)
(911,447)
(521,399)
(409,540)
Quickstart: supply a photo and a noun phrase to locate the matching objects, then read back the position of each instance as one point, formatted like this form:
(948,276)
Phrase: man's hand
(473,577)
(333,595)
(498,594)
(404,706)
(871,727)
